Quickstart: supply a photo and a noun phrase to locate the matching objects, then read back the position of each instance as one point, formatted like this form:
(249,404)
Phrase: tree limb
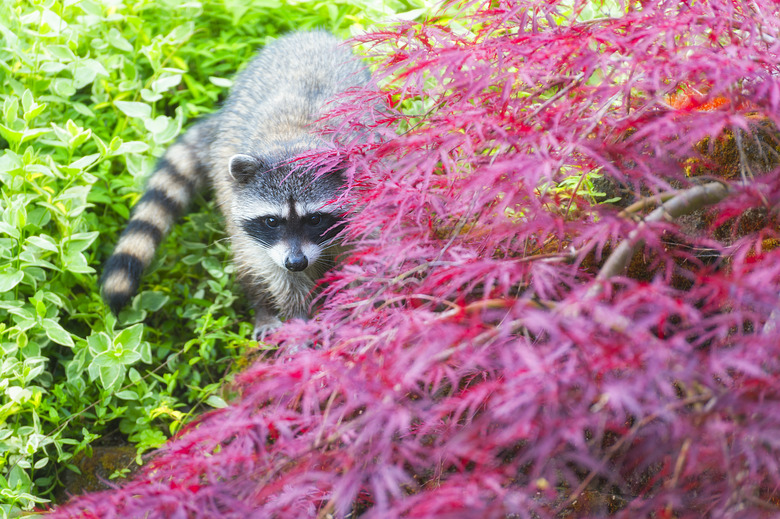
(686,202)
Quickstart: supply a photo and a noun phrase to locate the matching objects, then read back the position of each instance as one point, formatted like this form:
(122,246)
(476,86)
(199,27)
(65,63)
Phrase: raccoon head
(292,217)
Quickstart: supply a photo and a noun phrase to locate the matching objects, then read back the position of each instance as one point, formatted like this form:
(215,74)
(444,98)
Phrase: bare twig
(680,463)
(575,80)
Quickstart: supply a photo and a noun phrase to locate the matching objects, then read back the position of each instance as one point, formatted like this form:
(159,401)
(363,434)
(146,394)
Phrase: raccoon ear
(243,168)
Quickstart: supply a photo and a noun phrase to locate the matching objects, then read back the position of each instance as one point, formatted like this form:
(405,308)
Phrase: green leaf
(18,395)
(28,101)
(152,301)
(85,71)
(135,377)
(63,87)
(10,109)
(134,109)
(52,21)
(33,133)
(215,401)
(34,112)
(8,280)
(17,308)
(149,96)
(111,377)
(114,358)
(76,262)
(57,333)
(80,241)
(34,366)
(182,33)
(37,218)
(157,125)
(75,368)
(85,162)
(221,82)
(43,242)
(120,209)
(130,337)
(132,146)
(9,229)
(116,39)
(100,144)
(88,6)
(146,352)
(12,136)
(127,395)
(99,343)
(128,357)
(115,143)
(83,110)
(52,68)
(170,130)
(61,52)
(165,83)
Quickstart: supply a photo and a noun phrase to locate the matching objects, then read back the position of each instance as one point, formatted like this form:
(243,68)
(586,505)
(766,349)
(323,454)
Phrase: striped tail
(169,191)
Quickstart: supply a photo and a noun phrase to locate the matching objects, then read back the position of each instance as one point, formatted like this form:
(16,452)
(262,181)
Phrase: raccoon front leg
(269,310)
(265,322)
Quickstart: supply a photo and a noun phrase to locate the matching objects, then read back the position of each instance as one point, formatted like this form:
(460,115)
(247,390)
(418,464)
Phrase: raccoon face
(293,235)
(292,217)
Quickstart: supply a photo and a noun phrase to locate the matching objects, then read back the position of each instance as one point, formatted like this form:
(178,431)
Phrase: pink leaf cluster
(464,364)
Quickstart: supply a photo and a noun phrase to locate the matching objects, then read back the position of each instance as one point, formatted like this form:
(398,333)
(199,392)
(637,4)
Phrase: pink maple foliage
(474,355)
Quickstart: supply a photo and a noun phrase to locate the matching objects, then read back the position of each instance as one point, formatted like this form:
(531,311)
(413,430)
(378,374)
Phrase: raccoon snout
(296,262)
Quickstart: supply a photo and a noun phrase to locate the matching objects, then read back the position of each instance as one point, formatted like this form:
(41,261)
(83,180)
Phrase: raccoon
(282,222)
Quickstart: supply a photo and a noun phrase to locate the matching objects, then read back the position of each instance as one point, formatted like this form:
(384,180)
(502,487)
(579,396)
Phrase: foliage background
(475,360)
(92,91)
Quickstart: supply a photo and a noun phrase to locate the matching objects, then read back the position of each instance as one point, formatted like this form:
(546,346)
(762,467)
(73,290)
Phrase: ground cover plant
(501,344)
(92,91)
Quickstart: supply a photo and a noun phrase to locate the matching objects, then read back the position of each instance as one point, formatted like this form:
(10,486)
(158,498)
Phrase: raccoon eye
(271,221)
(314,220)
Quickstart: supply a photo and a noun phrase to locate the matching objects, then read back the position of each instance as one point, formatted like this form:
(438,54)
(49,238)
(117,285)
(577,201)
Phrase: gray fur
(244,150)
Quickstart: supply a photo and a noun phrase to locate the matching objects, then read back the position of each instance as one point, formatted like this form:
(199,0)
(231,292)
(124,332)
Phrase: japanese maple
(482,352)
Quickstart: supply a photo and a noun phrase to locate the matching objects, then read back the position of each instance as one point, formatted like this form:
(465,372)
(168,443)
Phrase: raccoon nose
(296,262)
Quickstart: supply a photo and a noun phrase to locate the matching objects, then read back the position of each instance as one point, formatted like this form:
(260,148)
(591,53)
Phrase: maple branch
(686,202)
(644,203)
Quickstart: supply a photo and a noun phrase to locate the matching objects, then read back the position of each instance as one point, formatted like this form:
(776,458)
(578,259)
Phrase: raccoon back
(284,90)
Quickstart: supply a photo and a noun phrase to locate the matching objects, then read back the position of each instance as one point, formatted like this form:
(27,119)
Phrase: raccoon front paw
(264,327)
(296,347)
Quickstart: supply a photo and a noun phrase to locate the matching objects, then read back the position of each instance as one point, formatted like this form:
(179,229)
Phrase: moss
(731,154)
(97,468)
